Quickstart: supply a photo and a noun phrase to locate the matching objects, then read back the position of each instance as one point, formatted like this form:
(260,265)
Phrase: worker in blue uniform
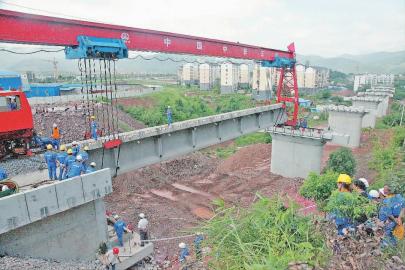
(119,226)
(169,116)
(197,245)
(93,128)
(70,159)
(3,174)
(91,168)
(75,148)
(50,159)
(391,212)
(85,156)
(76,169)
(184,253)
(60,161)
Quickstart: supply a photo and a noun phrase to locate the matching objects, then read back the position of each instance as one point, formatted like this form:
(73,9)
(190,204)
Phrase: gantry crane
(88,41)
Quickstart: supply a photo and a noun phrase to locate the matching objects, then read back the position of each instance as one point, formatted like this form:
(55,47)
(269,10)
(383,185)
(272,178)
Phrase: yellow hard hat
(70,151)
(92,117)
(49,147)
(344,178)
(62,147)
(86,148)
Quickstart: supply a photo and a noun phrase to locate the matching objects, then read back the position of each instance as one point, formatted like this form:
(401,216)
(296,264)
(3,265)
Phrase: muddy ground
(176,195)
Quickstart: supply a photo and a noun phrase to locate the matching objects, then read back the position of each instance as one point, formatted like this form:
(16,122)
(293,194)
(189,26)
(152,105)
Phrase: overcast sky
(320,27)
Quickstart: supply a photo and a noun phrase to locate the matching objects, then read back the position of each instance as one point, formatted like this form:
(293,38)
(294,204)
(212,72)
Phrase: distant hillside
(380,62)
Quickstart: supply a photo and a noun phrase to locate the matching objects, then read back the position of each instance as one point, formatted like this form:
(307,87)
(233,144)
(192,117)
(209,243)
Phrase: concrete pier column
(346,123)
(296,153)
(386,96)
(369,103)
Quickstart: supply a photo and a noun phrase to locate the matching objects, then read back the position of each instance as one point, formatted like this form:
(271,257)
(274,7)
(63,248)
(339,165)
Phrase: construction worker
(184,254)
(60,161)
(76,168)
(343,223)
(143,229)
(75,148)
(93,127)
(85,156)
(374,195)
(3,174)
(91,168)
(119,226)
(197,245)
(55,136)
(70,159)
(113,258)
(343,182)
(391,212)
(360,187)
(169,116)
(50,159)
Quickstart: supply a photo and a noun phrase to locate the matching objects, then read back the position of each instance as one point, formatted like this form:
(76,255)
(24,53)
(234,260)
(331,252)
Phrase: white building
(310,78)
(229,78)
(300,71)
(263,81)
(189,74)
(244,76)
(372,80)
(206,77)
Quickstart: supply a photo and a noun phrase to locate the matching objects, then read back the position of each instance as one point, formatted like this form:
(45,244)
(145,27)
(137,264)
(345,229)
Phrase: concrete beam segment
(296,153)
(371,103)
(344,121)
(151,145)
(40,203)
(69,235)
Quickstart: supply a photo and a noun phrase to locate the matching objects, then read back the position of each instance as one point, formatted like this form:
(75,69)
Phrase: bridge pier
(296,153)
(346,123)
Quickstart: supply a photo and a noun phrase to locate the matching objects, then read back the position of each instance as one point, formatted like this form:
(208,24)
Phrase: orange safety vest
(55,133)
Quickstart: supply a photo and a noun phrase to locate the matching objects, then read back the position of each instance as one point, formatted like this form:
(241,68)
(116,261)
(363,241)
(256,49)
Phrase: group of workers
(71,162)
(391,208)
(120,227)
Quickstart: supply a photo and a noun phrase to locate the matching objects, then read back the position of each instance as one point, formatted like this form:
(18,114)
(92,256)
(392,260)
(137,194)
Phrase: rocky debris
(23,165)
(360,249)
(13,263)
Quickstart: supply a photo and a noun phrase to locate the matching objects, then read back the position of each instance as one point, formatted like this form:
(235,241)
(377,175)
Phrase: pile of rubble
(23,165)
(13,263)
(361,249)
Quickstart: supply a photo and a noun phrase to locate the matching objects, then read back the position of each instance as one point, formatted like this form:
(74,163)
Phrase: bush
(258,137)
(342,161)
(350,204)
(267,235)
(319,187)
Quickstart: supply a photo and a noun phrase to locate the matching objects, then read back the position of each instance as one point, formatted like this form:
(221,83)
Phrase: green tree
(342,161)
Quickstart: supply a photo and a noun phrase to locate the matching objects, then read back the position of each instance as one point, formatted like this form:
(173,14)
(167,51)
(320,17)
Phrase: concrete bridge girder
(151,145)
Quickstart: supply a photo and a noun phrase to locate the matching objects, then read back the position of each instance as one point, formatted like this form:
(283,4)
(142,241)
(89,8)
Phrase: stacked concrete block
(46,221)
(346,123)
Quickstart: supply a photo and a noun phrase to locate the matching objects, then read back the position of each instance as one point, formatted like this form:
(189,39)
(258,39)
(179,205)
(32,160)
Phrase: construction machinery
(98,46)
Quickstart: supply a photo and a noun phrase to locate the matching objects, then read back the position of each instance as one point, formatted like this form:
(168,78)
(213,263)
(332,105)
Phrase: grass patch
(257,137)
(267,235)
(225,152)
(187,104)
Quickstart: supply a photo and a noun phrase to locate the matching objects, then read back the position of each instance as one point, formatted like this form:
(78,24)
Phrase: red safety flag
(291,47)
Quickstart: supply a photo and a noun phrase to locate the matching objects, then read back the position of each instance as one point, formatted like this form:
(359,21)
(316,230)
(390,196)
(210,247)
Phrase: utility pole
(402,115)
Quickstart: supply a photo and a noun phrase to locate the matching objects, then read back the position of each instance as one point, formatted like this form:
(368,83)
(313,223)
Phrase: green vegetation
(350,204)
(387,160)
(267,235)
(342,161)
(254,138)
(319,187)
(186,105)
(340,78)
(392,119)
